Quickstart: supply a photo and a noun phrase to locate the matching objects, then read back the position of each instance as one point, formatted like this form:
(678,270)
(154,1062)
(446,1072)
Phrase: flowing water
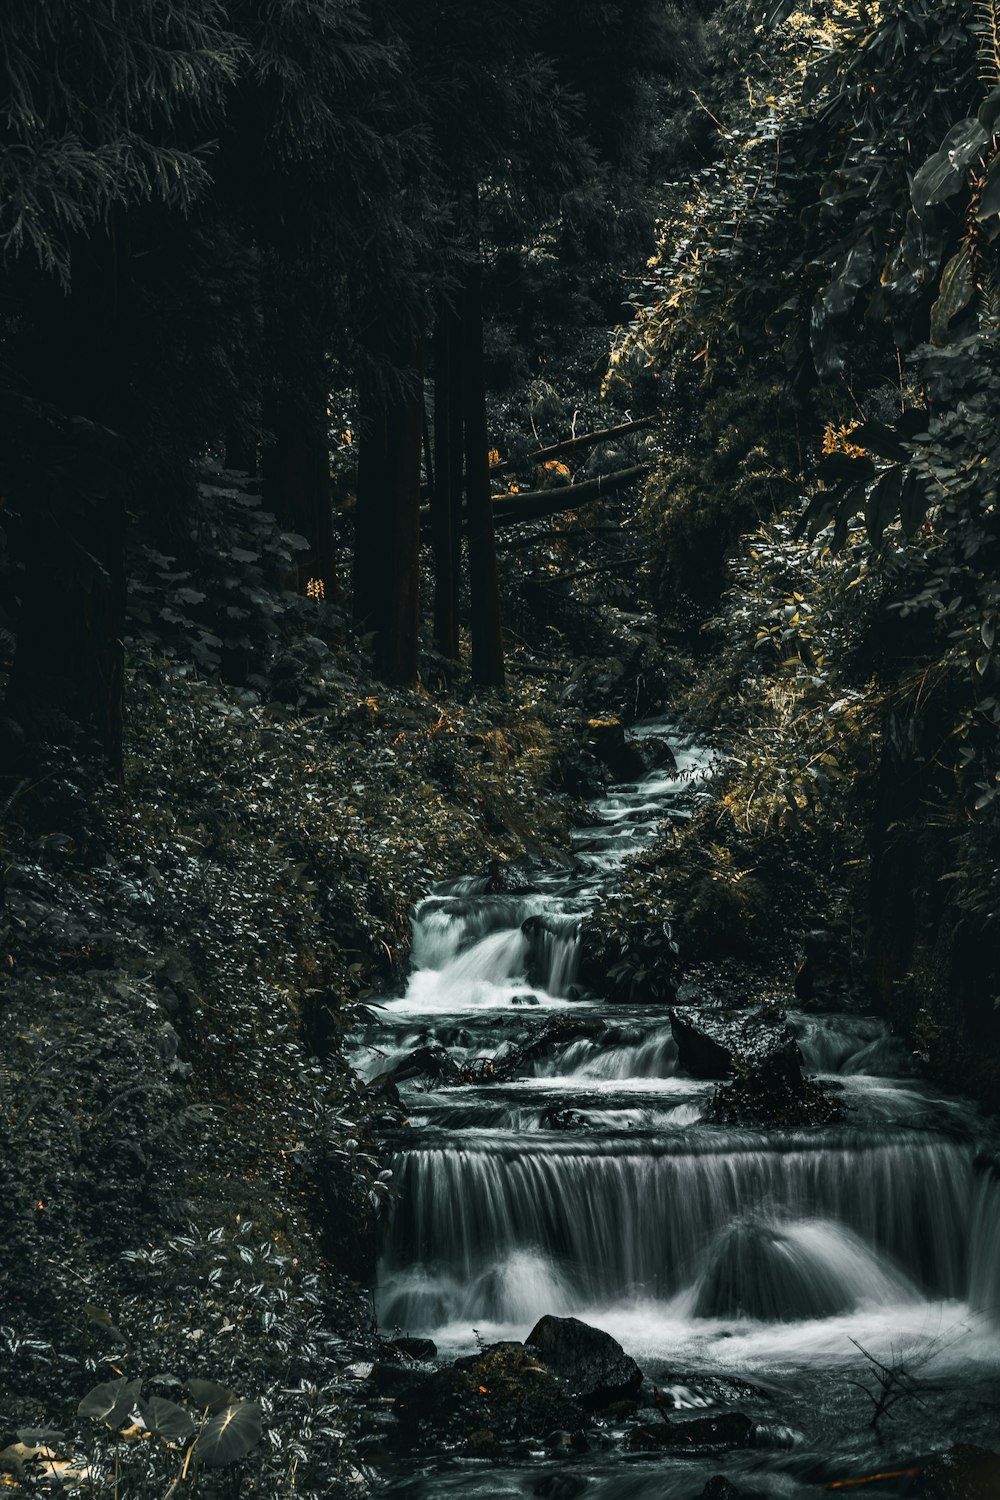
(589,1183)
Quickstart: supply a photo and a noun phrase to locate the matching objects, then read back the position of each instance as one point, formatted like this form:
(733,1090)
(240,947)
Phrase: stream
(740,1267)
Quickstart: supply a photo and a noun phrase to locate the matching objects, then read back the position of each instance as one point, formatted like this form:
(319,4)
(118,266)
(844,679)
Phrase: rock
(962,1473)
(620,755)
(559,1118)
(593,1365)
(400,1381)
(432,1063)
(719,1488)
(482,1444)
(420,1349)
(757,1051)
(705,1042)
(754,1270)
(509,879)
(560,1487)
(504,1391)
(559,1032)
(696,1435)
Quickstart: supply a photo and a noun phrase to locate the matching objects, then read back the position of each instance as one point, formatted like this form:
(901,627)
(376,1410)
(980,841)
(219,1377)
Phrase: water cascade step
(581,1175)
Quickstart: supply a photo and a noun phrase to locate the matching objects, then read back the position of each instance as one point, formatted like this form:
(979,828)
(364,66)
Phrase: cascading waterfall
(638,1223)
(587,1181)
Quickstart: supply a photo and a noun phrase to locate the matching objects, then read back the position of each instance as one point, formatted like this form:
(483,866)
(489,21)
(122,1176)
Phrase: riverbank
(192,1168)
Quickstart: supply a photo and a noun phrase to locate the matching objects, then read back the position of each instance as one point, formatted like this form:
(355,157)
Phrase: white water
(590,1183)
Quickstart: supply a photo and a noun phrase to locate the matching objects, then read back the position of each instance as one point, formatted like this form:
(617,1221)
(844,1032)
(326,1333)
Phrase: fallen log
(512,510)
(571,445)
(532,505)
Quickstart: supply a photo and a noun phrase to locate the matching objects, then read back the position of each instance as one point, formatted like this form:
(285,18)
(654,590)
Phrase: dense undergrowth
(192,1170)
(824,329)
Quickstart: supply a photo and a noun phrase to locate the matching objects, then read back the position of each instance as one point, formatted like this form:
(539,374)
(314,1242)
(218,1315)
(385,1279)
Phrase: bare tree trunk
(371,512)
(66,493)
(446,502)
(387,530)
(484,583)
(399,637)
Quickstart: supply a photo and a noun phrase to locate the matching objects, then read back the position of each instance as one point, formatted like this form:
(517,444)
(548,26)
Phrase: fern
(988,26)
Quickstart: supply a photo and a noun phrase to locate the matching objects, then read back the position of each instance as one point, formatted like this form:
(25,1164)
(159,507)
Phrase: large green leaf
(944,173)
(210,1395)
(167,1419)
(111,1402)
(230,1434)
(956,293)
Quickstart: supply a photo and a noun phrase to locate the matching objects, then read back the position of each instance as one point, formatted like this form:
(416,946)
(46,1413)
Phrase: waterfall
(581,1174)
(639,1221)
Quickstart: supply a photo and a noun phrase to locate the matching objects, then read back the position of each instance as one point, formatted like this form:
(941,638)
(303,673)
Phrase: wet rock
(593,1365)
(560,1032)
(561,1487)
(509,879)
(730,1429)
(719,1488)
(420,1349)
(756,1051)
(504,1391)
(706,1042)
(432,1063)
(622,756)
(559,1118)
(400,1381)
(962,1473)
(755,1270)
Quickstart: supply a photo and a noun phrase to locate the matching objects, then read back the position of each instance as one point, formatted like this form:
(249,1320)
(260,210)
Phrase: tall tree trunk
(387,529)
(399,638)
(371,513)
(484,583)
(68,514)
(446,499)
(297,489)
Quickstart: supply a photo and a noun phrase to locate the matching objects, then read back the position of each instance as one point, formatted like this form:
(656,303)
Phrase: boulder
(962,1473)
(758,1060)
(504,1391)
(507,878)
(729,1429)
(719,1488)
(621,756)
(706,1041)
(594,1366)
(432,1063)
(419,1349)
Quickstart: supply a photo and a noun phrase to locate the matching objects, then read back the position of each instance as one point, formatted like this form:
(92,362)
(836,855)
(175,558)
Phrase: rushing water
(590,1184)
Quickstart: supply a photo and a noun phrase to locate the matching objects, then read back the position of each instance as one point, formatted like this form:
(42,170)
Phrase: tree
(103,111)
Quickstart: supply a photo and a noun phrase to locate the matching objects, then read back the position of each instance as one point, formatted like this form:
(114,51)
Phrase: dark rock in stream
(593,1365)
(622,756)
(697,1435)
(758,1053)
(420,1349)
(498,1396)
(432,1063)
(963,1473)
(507,878)
(719,1488)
